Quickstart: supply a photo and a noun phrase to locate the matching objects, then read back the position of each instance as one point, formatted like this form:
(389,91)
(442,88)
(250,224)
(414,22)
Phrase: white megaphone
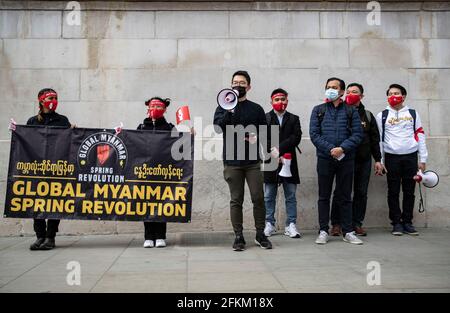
(228,98)
(286,169)
(428,178)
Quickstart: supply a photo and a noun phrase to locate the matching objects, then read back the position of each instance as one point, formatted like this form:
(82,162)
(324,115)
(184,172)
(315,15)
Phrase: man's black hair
(360,87)
(402,89)
(242,73)
(341,82)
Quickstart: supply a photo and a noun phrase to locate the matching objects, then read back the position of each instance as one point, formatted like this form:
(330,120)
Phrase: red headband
(278,95)
(156,102)
(47,94)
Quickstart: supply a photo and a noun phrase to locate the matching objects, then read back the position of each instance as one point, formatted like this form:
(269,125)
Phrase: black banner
(93,174)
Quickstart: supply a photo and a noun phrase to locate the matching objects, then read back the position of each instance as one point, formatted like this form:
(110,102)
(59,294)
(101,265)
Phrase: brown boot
(336,231)
(359,231)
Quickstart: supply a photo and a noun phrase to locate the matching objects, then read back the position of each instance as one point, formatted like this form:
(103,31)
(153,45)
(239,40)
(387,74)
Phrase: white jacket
(399,136)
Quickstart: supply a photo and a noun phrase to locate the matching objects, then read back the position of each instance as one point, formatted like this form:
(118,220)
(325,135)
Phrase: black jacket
(370,146)
(159,124)
(50,119)
(290,136)
(245,114)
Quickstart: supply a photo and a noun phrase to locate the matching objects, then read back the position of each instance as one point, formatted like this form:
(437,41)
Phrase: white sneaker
(160,243)
(292,231)
(149,244)
(269,230)
(322,238)
(351,238)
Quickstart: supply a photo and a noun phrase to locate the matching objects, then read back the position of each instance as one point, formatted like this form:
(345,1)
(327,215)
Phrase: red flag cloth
(183,114)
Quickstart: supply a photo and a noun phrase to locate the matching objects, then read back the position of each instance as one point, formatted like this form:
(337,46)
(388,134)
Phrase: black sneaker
(410,230)
(239,243)
(48,244)
(397,230)
(37,244)
(262,241)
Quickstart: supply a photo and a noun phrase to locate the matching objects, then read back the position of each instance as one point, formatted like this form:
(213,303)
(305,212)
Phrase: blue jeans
(270,195)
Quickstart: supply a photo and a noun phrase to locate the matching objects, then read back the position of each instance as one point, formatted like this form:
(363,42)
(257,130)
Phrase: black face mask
(241,90)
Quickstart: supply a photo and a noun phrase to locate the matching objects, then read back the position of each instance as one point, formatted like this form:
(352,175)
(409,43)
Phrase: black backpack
(384,116)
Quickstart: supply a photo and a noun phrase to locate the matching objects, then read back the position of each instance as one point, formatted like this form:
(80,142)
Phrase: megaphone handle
(421,204)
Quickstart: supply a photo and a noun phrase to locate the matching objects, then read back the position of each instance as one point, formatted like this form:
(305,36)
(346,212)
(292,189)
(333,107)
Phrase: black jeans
(360,186)
(327,170)
(45,230)
(401,169)
(155,230)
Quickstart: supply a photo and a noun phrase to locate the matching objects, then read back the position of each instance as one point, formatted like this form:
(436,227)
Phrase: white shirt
(399,134)
(280,116)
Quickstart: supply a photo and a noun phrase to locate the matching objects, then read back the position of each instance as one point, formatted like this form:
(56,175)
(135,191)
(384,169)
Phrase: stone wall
(125,52)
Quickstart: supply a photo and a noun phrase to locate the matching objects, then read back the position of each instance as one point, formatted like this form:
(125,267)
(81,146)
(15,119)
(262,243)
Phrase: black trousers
(45,229)
(360,187)
(327,170)
(155,230)
(401,169)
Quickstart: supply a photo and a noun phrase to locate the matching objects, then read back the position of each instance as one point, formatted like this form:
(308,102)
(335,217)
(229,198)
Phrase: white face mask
(331,94)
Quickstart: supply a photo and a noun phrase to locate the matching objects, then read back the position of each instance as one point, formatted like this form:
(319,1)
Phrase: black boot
(37,244)
(48,244)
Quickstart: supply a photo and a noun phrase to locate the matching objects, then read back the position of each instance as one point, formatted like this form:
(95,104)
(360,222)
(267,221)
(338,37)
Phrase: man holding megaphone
(403,147)
(240,121)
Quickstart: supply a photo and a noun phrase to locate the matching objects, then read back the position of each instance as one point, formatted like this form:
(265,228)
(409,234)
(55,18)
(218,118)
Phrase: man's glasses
(241,83)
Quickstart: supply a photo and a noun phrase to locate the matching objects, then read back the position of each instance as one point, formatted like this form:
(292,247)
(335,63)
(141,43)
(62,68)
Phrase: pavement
(205,262)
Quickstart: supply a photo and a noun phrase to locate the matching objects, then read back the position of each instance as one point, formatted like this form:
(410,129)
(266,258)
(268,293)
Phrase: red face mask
(49,104)
(352,99)
(279,106)
(395,100)
(156,112)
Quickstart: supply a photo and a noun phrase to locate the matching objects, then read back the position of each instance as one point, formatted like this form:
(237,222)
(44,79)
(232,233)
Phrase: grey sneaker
(322,238)
(351,238)
(397,230)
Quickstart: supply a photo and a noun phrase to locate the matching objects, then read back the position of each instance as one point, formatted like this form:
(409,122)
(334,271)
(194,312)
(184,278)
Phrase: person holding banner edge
(155,232)
(47,116)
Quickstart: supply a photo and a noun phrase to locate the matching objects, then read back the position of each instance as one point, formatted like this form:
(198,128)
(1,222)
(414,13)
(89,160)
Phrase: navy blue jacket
(334,131)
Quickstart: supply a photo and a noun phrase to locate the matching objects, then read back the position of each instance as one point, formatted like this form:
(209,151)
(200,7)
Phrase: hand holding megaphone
(428,178)
(228,98)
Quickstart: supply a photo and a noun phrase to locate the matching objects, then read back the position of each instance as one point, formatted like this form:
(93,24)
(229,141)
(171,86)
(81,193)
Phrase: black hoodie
(50,119)
(159,124)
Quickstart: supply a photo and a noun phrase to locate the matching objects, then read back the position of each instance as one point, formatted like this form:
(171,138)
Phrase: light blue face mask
(331,94)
